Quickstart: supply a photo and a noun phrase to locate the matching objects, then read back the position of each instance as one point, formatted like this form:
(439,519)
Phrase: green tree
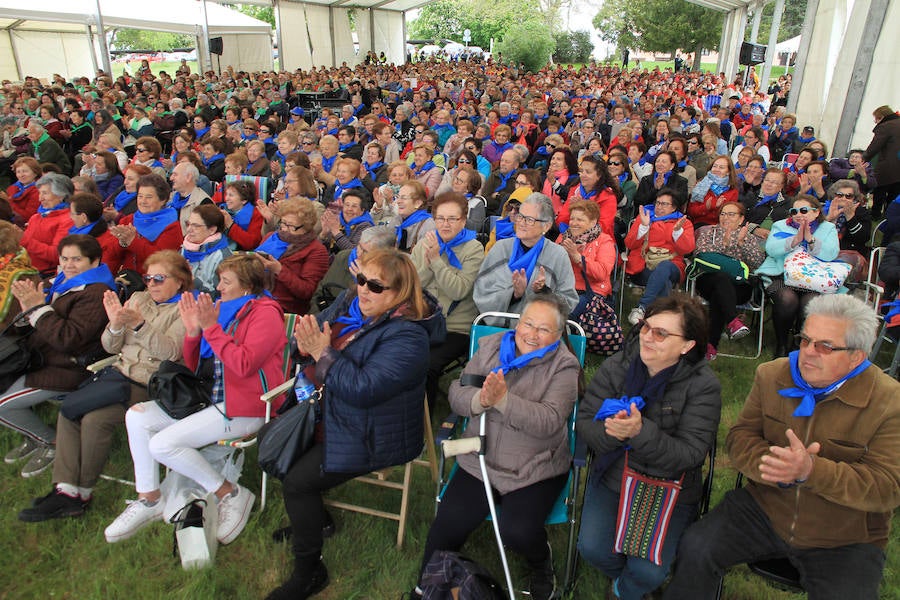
(528,42)
(442,19)
(263,13)
(486,20)
(139,39)
(614,25)
(573,47)
(791,21)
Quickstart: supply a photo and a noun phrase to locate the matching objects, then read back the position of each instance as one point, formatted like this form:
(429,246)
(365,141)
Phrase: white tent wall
(247,52)
(294,52)
(882,87)
(364,33)
(8,68)
(319,34)
(821,61)
(43,53)
(341,38)
(389,36)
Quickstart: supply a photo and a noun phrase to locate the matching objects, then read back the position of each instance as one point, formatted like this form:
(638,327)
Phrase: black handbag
(178,390)
(16,358)
(107,387)
(286,438)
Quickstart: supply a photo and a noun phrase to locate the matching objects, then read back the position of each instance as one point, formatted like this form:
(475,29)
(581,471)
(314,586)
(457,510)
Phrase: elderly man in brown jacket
(819,441)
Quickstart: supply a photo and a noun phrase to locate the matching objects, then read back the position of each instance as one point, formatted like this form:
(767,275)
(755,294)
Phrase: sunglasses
(464,161)
(141,150)
(657,333)
(551,146)
(374,286)
(848,195)
(802,210)
(825,348)
(158,279)
(615,163)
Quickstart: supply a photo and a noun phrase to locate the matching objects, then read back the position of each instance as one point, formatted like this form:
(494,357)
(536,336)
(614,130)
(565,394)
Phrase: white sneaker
(133,518)
(636,315)
(234,510)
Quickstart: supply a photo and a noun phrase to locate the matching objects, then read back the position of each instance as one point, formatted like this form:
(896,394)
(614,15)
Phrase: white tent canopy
(43,37)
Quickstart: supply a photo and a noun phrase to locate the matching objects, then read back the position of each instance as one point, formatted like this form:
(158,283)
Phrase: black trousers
(723,295)
(302,489)
(464,507)
(882,196)
(456,345)
(738,531)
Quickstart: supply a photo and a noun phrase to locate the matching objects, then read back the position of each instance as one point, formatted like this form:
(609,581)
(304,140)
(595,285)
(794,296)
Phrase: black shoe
(285,533)
(302,584)
(54,505)
(328,526)
(542,585)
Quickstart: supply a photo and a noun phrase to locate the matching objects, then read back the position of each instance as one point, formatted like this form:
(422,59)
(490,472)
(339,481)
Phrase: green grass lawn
(70,559)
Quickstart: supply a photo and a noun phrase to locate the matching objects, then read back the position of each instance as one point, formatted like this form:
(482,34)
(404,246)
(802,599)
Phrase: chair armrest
(277,391)
(102,364)
(448,427)
(580,458)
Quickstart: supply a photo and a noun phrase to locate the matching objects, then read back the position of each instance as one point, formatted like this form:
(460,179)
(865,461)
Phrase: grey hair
(192,170)
(381,236)
(845,183)
(543,203)
(506,105)
(36,126)
(522,151)
(553,300)
(862,321)
(60,185)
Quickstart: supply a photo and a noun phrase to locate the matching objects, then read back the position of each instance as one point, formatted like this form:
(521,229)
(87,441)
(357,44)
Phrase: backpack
(450,571)
(710,262)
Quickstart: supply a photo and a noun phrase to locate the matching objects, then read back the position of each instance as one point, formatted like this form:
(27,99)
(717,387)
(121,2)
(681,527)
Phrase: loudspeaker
(215,45)
(752,54)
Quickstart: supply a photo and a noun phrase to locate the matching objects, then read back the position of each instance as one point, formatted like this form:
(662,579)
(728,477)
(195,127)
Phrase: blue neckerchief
(504,120)
(354,318)
(793,169)
(504,179)
(371,169)
(612,406)
(273,245)
(767,199)
(804,140)
(417,217)
(201,132)
(46,212)
(785,134)
(271,141)
(586,195)
(348,226)
(174,157)
(333,132)
(327,163)
(123,199)
(358,108)
(504,228)
(462,237)
(351,258)
(281,157)
(86,230)
(501,149)
(893,312)
(543,151)
(681,164)
(228,311)
(508,359)
(21,189)
(339,188)
(444,127)
(243,217)
(669,217)
(423,169)
(173,300)
(178,201)
(209,161)
(195,256)
(345,147)
(810,396)
(347,121)
(622,178)
(157,164)
(522,259)
(151,225)
(248,138)
(98,274)
(717,189)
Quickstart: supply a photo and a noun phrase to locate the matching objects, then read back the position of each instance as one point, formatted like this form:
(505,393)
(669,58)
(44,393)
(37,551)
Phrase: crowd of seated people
(180,216)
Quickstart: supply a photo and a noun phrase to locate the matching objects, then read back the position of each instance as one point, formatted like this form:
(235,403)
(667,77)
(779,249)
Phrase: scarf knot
(465,235)
(508,359)
(354,318)
(809,395)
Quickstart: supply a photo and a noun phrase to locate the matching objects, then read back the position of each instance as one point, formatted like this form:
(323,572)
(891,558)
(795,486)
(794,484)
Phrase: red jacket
(25,205)
(605,200)
(113,252)
(249,239)
(43,234)
(599,260)
(300,274)
(660,236)
(141,248)
(707,212)
(244,355)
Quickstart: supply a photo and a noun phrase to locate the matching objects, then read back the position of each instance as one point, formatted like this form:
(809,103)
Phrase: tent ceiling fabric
(723,5)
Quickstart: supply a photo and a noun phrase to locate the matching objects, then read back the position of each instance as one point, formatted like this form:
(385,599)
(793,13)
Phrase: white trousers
(155,437)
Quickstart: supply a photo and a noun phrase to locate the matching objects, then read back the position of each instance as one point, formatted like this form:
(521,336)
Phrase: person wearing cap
(297,114)
(806,137)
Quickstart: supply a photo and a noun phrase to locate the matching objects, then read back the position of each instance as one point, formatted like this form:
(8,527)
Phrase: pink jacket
(244,356)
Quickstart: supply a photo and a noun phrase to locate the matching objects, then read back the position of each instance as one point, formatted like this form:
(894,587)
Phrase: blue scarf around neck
(423,169)
(354,318)
(348,226)
(209,161)
(274,246)
(508,359)
(809,395)
(522,259)
(178,201)
(151,225)
(417,217)
(98,274)
(46,212)
(243,217)
(86,230)
(465,235)
(195,256)
(339,188)
(328,163)
(123,199)
(228,311)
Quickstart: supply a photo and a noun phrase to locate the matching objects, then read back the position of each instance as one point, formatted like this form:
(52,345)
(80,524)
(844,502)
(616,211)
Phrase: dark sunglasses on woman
(374,286)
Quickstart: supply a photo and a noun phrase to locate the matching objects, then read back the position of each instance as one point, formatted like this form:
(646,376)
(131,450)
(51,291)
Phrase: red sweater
(244,355)
(250,238)
(605,199)
(26,205)
(707,212)
(599,260)
(301,272)
(42,235)
(660,236)
(141,248)
(113,252)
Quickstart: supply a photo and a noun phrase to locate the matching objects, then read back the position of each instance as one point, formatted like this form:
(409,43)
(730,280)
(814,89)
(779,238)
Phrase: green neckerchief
(44,137)
(82,126)
(116,117)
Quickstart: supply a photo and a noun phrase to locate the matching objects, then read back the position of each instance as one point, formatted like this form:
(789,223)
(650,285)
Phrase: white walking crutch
(477,444)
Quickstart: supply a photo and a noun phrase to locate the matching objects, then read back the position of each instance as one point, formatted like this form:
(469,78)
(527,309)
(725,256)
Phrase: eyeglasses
(376,287)
(542,331)
(847,195)
(615,163)
(464,161)
(141,149)
(693,142)
(200,121)
(157,279)
(528,220)
(190,225)
(249,128)
(551,146)
(420,131)
(309,143)
(518,183)
(289,227)
(825,348)
(802,210)
(264,131)
(730,213)
(449,220)
(657,333)
(658,203)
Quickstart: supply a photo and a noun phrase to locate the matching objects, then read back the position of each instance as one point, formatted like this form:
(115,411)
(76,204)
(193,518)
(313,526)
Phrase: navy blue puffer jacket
(374,393)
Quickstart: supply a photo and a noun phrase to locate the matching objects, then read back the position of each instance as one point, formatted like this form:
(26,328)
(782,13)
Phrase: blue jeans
(597,538)
(658,282)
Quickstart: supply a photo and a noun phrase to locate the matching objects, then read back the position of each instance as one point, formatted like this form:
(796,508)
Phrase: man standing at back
(818,440)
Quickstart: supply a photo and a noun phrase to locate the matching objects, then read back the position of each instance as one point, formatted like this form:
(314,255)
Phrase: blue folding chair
(564,509)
